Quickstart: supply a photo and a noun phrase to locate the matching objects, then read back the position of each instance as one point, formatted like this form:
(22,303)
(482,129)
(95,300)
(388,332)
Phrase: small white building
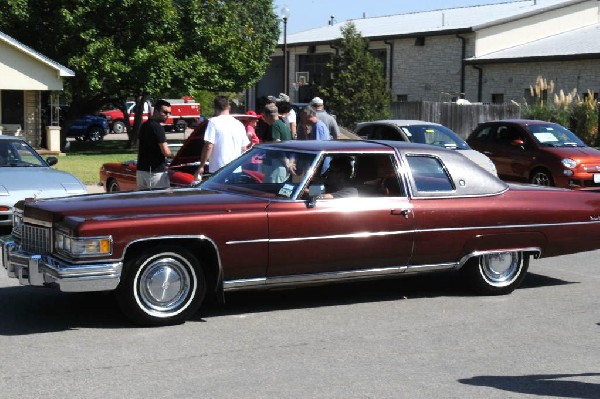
(24,75)
(488,53)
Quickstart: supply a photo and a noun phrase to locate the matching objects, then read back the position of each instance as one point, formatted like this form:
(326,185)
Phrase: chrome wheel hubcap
(500,269)
(165,286)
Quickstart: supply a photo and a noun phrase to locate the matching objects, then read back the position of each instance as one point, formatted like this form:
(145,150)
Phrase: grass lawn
(85,158)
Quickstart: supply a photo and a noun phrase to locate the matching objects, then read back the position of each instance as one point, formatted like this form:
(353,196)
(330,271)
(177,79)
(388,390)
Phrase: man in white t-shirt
(224,140)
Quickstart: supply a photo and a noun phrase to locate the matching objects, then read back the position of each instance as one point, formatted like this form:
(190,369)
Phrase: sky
(309,14)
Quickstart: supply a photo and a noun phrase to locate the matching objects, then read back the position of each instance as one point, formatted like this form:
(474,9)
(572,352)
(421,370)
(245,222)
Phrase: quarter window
(429,174)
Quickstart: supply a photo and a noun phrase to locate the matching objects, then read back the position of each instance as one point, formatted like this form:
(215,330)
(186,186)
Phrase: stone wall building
(488,53)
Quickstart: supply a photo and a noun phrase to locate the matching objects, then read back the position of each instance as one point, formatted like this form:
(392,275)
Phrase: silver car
(422,132)
(25,174)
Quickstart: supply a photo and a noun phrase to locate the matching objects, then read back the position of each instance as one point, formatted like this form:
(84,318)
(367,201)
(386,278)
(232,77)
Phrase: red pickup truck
(184,113)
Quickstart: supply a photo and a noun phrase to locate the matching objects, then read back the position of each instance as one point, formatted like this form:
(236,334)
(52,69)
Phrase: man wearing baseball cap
(326,118)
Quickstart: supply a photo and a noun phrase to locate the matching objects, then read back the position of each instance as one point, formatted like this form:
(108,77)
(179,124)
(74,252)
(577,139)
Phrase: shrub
(570,110)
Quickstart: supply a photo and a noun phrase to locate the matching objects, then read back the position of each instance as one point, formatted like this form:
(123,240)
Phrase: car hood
(33,182)
(480,159)
(583,154)
(142,204)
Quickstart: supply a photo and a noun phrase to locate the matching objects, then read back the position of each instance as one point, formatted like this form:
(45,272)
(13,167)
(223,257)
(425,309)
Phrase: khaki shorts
(152,180)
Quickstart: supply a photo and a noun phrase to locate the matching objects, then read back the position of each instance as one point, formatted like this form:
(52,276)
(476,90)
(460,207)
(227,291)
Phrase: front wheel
(95,133)
(496,273)
(161,286)
(541,177)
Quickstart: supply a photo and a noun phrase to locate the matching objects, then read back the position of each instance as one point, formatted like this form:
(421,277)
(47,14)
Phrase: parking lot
(419,337)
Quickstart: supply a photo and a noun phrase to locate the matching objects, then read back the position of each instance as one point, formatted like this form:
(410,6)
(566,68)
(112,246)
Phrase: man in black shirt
(337,184)
(153,150)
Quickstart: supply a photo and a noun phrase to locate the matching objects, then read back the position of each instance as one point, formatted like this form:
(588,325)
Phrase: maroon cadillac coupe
(296,213)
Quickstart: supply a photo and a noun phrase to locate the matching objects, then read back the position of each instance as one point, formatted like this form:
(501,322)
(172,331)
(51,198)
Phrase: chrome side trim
(510,226)
(367,234)
(300,279)
(536,251)
(431,268)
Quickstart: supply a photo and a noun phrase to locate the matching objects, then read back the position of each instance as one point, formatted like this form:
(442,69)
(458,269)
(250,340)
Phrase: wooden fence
(461,118)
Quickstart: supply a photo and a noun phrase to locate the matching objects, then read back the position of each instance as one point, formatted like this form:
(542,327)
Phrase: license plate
(596,177)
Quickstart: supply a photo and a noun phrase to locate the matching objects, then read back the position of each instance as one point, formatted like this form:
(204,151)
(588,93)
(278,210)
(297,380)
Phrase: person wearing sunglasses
(153,150)
(338,179)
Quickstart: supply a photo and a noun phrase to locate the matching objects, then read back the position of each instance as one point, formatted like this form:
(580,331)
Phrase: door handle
(401,212)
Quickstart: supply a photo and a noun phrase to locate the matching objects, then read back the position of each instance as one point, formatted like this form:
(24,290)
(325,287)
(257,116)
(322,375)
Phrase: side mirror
(52,161)
(312,201)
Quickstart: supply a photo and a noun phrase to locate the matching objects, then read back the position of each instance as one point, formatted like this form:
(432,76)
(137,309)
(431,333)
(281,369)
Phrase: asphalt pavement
(415,337)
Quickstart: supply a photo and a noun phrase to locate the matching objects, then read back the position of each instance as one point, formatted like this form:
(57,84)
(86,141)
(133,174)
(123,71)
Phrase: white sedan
(25,174)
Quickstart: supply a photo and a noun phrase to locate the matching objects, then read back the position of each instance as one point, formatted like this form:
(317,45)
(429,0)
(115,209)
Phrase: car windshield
(436,135)
(17,153)
(264,172)
(554,136)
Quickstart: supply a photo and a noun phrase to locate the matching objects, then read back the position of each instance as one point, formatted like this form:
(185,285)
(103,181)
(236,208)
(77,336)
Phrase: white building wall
(513,79)
(19,71)
(534,27)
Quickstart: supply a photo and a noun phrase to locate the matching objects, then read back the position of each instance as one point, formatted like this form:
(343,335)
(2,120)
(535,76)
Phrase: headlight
(17,220)
(569,163)
(82,246)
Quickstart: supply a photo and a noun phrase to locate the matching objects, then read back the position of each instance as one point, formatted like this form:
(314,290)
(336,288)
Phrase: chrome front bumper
(43,270)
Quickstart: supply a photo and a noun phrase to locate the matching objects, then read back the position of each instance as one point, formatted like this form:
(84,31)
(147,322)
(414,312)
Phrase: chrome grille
(37,240)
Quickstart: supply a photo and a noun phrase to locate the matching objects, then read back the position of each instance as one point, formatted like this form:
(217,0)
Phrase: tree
(358,89)
(144,48)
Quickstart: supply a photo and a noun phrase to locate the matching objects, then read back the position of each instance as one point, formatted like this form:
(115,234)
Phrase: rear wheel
(161,286)
(118,127)
(541,177)
(112,186)
(496,273)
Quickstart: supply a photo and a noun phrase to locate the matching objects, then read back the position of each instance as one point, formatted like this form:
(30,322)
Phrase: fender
(532,242)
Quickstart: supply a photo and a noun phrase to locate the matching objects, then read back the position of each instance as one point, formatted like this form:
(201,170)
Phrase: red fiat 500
(538,152)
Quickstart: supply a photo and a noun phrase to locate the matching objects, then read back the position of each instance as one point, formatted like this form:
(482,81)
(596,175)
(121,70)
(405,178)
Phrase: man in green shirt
(279,130)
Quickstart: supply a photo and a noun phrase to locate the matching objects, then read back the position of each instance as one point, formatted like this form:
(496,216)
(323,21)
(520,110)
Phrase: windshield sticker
(286,190)
(546,137)
(429,131)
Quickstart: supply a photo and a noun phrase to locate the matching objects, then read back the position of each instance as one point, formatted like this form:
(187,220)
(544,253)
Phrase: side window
(376,176)
(389,133)
(429,174)
(484,134)
(506,134)
(367,132)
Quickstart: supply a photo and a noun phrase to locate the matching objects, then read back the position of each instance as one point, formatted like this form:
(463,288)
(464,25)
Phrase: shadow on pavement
(546,385)
(408,287)
(33,310)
